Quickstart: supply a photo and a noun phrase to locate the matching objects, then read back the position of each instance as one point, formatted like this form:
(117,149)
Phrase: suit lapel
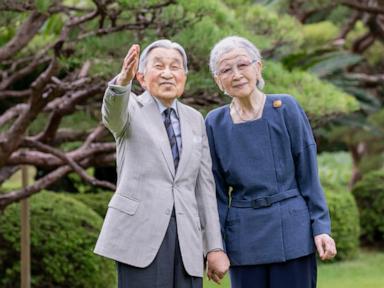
(156,128)
(186,139)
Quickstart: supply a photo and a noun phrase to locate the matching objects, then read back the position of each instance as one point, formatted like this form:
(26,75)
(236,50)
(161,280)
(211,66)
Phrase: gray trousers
(166,271)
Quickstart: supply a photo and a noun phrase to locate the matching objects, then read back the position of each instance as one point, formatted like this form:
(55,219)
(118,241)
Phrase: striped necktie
(171,136)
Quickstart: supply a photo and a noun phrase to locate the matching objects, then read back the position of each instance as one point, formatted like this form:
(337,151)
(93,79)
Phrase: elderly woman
(272,208)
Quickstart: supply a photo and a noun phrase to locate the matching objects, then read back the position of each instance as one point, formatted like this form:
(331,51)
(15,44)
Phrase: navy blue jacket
(270,200)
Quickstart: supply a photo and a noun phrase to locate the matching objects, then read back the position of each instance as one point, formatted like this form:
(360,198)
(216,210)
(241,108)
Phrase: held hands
(130,65)
(326,246)
(218,265)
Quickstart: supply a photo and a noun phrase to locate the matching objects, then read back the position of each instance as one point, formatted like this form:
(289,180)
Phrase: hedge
(63,234)
(97,201)
(345,222)
(369,194)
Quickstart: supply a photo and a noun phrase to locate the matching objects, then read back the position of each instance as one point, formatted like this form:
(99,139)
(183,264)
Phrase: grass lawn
(366,271)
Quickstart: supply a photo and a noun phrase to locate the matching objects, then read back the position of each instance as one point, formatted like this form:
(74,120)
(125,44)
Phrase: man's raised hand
(130,65)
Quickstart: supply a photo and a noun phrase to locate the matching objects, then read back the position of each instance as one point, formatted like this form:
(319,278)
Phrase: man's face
(164,76)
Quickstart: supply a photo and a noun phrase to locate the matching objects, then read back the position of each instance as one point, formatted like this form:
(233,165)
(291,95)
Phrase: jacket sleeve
(222,189)
(206,199)
(304,152)
(114,109)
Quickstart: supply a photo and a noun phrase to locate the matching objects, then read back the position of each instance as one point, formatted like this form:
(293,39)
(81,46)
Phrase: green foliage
(8,26)
(335,170)
(369,194)
(345,222)
(338,15)
(374,54)
(97,201)
(42,5)
(358,30)
(53,25)
(317,97)
(281,31)
(63,234)
(318,34)
(334,62)
(78,121)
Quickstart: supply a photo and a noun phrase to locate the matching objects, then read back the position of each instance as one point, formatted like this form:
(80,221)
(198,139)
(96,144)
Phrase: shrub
(369,194)
(63,234)
(335,171)
(97,201)
(345,222)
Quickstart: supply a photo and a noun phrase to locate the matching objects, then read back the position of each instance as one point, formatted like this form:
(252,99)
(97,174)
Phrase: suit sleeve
(114,109)
(304,152)
(206,199)
(222,188)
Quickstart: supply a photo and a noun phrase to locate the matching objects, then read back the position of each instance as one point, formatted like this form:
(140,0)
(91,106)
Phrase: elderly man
(163,218)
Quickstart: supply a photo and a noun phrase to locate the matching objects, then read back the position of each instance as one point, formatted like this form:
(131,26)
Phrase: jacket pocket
(123,204)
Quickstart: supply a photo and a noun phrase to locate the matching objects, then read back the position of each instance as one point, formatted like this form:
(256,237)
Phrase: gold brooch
(277,104)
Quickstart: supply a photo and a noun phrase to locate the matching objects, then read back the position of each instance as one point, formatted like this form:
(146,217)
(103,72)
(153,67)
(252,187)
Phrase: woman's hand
(130,65)
(326,246)
(218,265)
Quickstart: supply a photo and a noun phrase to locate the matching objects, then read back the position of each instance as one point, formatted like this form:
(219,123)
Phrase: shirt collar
(162,108)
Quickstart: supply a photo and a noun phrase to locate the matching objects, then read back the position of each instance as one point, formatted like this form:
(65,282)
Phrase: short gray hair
(163,43)
(233,42)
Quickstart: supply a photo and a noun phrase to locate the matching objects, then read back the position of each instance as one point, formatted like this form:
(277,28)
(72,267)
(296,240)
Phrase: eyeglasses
(241,66)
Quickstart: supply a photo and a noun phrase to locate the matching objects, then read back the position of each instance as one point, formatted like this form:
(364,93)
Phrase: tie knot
(167,113)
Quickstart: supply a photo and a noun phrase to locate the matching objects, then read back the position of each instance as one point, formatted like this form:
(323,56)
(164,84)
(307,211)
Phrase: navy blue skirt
(296,273)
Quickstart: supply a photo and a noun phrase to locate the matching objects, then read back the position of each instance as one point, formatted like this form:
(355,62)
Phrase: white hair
(163,43)
(227,44)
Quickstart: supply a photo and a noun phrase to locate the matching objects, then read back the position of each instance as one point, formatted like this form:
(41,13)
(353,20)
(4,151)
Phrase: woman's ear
(140,78)
(218,82)
(259,66)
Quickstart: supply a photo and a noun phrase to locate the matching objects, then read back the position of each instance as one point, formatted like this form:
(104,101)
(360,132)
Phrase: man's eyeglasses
(241,66)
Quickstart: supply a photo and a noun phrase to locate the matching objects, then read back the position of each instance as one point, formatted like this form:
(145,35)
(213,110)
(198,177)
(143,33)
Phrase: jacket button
(168,211)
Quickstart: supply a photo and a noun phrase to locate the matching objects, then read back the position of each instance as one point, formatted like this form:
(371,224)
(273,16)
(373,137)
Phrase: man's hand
(326,246)
(130,65)
(218,265)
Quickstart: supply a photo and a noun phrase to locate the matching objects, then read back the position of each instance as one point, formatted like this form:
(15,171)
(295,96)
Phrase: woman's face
(237,73)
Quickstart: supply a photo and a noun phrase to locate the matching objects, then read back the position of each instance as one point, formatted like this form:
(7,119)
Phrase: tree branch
(6,172)
(68,160)
(349,25)
(371,79)
(12,112)
(8,198)
(370,9)
(26,32)
(363,43)
(14,94)
(37,61)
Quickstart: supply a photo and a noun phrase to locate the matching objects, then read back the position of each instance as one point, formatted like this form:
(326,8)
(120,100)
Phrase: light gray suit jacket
(148,186)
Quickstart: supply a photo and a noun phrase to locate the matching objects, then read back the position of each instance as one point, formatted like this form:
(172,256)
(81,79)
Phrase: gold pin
(277,104)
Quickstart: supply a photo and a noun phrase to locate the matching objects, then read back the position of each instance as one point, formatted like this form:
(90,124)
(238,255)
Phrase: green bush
(63,234)
(335,172)
(369,194)
(335,169)
(345,222)
(97,201)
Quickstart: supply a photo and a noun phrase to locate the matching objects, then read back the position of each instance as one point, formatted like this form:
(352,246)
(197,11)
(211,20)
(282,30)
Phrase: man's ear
(140,78)
(218,82)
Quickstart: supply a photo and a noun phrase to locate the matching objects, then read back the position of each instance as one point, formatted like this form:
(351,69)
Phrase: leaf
(42,5)
(336,63)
